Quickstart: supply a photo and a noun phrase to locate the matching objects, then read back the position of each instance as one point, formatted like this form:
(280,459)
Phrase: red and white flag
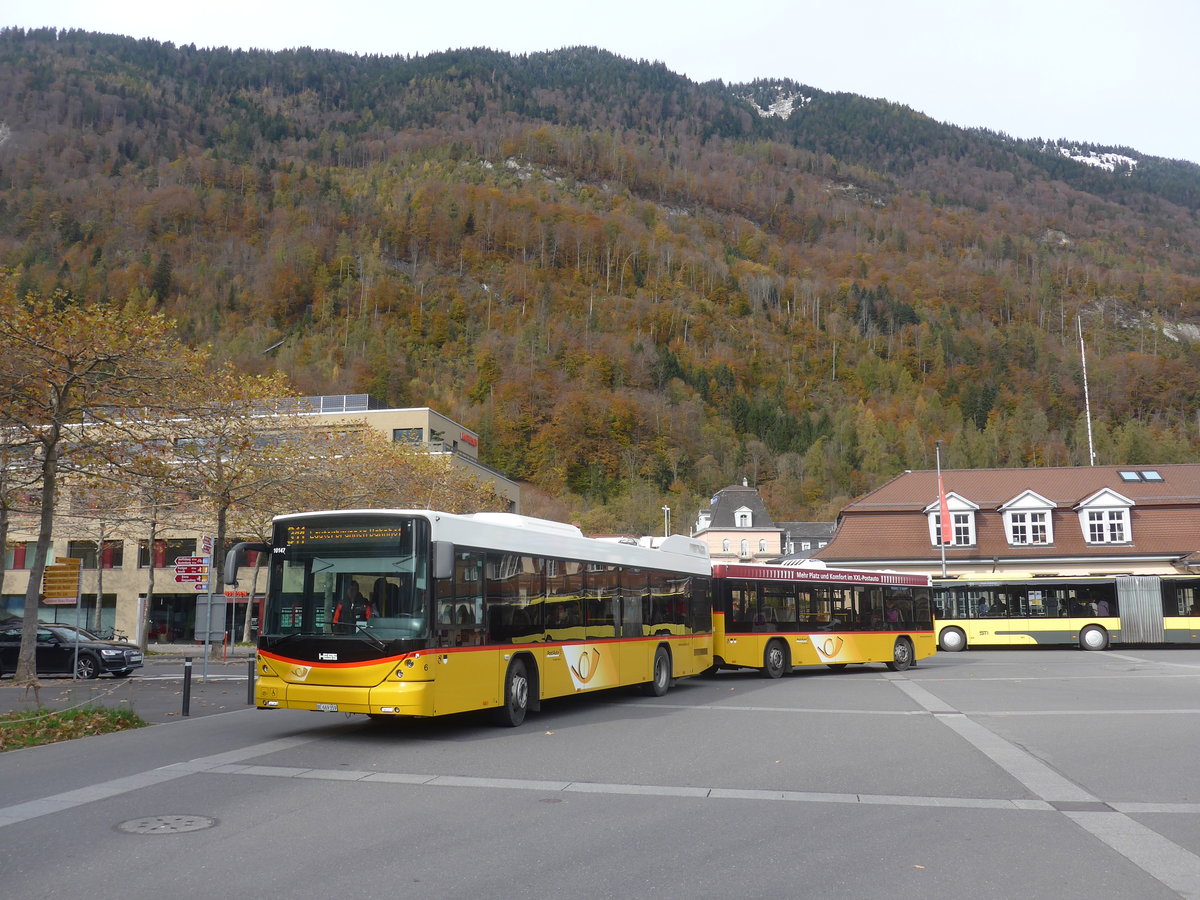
(947,528)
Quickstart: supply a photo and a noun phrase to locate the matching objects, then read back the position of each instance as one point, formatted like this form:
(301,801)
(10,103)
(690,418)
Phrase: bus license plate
(326,707)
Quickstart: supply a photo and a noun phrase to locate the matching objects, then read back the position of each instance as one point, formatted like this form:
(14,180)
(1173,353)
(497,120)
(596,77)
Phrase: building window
(408,435)
(962,524)
(1028,528)
(1104,518)
(762,546)
(1107,526)
(806,545)
(742,518)
(165,552)
(725,546)
(15,556)
(745,548)
(111,557)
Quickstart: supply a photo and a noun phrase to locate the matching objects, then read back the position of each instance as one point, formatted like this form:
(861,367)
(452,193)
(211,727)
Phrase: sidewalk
(155,692)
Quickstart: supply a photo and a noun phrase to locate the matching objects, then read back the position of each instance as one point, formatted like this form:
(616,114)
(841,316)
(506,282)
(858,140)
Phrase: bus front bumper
(412,698)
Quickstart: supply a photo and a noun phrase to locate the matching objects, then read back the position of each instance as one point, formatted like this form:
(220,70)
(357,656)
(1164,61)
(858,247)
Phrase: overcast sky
(1104,71)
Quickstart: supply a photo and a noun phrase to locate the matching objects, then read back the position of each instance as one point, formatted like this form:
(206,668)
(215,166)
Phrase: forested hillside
(637,288)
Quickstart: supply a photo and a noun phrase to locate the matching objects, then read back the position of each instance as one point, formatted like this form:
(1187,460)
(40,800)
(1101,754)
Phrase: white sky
(1105,71)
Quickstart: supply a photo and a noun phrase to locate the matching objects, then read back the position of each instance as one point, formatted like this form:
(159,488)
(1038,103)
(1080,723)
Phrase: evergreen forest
(638,289)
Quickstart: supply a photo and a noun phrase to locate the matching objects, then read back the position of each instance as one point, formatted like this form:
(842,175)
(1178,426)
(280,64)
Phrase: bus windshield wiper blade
(379,645)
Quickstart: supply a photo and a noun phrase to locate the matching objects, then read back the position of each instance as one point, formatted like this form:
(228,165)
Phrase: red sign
(191,561)
(470,439)
(190,570)
(186,578)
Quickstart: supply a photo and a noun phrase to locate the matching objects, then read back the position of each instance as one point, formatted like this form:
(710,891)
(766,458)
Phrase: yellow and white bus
(1090,612)
(421,613)
(775,618)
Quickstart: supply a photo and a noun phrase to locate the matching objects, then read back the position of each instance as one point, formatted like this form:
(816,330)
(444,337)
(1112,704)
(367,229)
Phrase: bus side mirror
(443,559)
(237,553)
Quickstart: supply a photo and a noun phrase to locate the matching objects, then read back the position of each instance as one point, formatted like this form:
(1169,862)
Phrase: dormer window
(962,521)
(1028,520)
(743,517)
(1104,518)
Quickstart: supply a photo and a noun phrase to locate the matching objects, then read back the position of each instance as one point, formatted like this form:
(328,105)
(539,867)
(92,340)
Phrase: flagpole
(942,507)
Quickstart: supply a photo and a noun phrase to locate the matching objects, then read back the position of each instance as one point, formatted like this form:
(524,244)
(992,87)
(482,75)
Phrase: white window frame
(1104,519)
(1026,515)
(743,517)
(962,520)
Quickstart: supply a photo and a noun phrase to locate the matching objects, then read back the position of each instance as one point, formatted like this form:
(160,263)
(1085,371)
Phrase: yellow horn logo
(831,646)
(585,667)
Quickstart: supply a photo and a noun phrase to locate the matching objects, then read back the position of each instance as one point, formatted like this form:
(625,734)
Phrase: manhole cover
(166,824)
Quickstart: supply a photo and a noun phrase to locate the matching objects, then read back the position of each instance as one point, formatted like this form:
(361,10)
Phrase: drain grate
(166,824)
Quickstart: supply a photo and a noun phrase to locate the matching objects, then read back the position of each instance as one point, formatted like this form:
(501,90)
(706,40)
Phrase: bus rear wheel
(902,655)
(774,659)
(516,695)
(660,680)
(952,640)
(1093,637)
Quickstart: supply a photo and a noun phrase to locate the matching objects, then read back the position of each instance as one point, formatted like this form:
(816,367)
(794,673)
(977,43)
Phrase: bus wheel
(902,655)
(661,680)
(1093,637)
(952,640)
(516,695)
(774,660)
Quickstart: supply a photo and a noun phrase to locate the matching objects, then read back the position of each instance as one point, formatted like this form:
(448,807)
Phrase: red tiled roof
(890,523)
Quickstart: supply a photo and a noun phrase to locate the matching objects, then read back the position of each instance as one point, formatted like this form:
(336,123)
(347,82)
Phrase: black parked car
(57,646)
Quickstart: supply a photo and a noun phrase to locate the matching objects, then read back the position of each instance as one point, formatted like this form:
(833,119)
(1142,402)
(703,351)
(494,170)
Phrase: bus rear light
(387,709)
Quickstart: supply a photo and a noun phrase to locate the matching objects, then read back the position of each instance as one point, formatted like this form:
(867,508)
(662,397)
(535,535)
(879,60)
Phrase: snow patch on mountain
(784,104)
(1110,162)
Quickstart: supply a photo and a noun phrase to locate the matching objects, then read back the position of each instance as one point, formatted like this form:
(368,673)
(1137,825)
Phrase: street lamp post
(666,521)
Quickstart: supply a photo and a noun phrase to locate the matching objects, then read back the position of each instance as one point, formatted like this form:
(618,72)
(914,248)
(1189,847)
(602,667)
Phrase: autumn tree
(76,377)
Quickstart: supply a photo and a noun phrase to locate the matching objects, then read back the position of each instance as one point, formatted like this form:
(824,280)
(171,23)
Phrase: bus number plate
(326,707)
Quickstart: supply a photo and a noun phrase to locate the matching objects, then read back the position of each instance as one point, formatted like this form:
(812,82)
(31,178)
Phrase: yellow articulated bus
(1089,612)
(422,613)
(775,618)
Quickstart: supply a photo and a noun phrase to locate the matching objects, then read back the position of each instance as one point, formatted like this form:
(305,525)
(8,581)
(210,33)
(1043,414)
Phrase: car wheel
(87,666)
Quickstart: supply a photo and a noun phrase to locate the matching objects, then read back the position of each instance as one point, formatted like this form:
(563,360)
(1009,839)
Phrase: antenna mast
(1087,403)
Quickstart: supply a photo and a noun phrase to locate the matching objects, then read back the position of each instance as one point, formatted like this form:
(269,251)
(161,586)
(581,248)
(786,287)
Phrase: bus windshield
(363,576)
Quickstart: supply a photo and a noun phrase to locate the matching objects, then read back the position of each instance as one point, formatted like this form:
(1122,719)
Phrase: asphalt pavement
(1025,773)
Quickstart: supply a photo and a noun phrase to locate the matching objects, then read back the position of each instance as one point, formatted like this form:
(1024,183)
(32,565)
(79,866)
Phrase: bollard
(187,685)
(250,681)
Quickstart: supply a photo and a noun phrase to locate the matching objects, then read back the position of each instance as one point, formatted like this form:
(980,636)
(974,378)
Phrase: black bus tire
(902,655)
(660,678)
(952,640)
(774,659)
(516,695)
(1093,637)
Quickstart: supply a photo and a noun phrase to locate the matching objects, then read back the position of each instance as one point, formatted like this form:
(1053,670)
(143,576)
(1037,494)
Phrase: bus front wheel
(516,695)
(902,655)
(774,659)
(660,680)
(952,640)
(1093,637)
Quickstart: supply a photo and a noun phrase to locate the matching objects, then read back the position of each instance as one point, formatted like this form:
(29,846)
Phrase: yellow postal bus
(422,613)
(774,618)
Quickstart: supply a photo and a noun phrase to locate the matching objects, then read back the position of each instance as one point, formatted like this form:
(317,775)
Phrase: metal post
(666,521)
(250,681)
(187,685)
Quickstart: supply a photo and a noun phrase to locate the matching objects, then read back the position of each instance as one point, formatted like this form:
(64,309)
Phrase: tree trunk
(144,640)
(27,656)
